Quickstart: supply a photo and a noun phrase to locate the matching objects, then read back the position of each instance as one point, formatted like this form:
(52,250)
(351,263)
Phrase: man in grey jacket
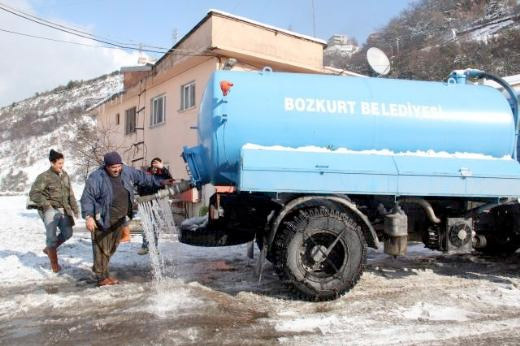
(106,205)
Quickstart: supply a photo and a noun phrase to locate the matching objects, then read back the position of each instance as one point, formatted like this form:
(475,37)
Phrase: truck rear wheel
(320,253)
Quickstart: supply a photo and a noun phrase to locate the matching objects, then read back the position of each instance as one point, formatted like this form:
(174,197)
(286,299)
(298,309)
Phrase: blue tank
(355,113)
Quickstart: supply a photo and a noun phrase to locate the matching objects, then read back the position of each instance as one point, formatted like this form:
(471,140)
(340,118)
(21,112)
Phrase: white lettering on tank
(310,105)
(332,106)
(289,104)
(374,108)
(394,110)
(403,110)
(384,111)
(342,106)
(352,106)
(299,104)
(320,106)
(365,108)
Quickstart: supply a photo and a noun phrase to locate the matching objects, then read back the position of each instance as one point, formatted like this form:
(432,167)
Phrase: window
(117,119)
(130,118)
(187,96)
(158,110)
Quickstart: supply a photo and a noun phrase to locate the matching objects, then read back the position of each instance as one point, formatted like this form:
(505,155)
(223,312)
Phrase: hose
(513,103)
(426,206)
(510,91)
(175,189)
(474,73)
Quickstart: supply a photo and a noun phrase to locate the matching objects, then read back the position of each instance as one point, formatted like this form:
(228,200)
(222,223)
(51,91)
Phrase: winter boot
(105,282)
(142,251)
(53,258)
(58,243)
(114,280)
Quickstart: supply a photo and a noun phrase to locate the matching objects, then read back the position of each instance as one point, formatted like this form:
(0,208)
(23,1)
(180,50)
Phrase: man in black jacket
(157,170)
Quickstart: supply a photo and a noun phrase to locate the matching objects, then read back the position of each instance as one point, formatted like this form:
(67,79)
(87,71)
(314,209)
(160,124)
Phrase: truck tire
(500,250)
(320,253)
(502,232)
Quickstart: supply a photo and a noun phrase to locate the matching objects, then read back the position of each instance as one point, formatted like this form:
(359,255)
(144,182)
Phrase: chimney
(133,74)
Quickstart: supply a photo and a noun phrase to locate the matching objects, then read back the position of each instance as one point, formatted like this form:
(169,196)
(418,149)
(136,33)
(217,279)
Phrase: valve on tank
(396,230)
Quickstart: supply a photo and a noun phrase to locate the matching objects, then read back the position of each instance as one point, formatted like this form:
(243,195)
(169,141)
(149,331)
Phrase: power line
(174,51)
(43,20)
(54,40)
(81,35)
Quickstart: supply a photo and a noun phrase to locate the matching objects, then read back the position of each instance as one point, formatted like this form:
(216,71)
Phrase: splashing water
(156,217)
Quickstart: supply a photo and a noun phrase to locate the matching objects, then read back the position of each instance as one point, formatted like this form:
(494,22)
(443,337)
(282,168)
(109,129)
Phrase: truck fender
(368,230)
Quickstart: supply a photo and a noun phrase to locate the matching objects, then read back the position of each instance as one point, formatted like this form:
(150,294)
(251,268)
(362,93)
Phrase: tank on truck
(461,77)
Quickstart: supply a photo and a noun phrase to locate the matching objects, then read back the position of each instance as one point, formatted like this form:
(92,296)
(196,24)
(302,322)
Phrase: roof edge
(271,27)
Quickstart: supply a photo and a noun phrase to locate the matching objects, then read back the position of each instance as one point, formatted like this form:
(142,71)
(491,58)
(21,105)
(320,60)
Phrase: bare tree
(89,145)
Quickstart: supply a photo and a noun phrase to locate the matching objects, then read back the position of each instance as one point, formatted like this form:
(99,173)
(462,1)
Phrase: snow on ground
(212,296)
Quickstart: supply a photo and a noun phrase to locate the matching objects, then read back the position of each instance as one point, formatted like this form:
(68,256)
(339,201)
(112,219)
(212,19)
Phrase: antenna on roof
(378,61)
(313,19)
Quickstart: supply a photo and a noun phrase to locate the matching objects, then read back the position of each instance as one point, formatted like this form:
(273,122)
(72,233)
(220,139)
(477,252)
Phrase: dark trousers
(104,245)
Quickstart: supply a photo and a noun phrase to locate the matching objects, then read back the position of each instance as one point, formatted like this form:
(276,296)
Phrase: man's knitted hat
(112,158)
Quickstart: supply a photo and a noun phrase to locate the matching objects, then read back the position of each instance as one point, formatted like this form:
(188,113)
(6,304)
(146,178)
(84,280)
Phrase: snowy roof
(104,100)
(242,19)
(254,22)
(136,68)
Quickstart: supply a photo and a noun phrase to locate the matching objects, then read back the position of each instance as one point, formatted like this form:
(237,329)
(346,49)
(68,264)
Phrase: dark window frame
(130,120)
(158,110)
(188,95)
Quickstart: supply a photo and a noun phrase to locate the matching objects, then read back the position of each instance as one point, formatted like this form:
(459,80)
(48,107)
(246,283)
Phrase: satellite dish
(378,61)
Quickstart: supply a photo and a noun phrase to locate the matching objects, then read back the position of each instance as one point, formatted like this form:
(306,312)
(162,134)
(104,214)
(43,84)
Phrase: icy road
(211,297)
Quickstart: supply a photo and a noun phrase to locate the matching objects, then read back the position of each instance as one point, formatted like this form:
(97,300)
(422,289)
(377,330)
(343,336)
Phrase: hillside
(432,38)
(30,128)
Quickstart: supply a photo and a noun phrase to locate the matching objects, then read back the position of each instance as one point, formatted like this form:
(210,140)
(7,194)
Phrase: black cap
(55,156)
(112,158)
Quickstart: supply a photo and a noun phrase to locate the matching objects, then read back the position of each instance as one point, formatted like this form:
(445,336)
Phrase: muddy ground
(424,299)
(211,296)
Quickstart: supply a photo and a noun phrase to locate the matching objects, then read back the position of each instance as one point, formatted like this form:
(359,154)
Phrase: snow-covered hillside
(431,38)
(30,128)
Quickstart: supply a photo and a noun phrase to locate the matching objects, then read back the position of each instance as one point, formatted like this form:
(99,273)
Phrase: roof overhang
(138,68)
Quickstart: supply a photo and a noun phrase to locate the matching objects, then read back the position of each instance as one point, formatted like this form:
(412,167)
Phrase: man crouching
(106,206)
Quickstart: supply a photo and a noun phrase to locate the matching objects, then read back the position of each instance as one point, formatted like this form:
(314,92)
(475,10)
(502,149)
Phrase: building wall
(168,139)
(107,127)
(261,43)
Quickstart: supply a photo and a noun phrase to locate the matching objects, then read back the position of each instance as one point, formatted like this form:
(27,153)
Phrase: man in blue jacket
(106,205)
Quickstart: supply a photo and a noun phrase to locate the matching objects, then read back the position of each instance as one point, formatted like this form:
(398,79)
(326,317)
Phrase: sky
(29,65)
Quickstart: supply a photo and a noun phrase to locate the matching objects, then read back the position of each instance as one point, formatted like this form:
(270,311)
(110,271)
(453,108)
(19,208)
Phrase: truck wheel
(320,253)
(502,231)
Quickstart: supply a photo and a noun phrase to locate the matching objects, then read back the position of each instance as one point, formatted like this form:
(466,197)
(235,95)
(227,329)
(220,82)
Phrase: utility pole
(174,36)
(313,19)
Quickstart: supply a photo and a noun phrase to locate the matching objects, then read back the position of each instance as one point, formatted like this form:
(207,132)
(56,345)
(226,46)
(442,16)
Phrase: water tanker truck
(320,167)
